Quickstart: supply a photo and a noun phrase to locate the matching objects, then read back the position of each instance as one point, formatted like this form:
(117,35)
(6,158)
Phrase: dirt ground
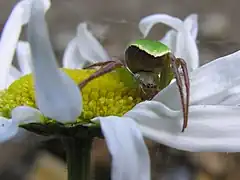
(115,23)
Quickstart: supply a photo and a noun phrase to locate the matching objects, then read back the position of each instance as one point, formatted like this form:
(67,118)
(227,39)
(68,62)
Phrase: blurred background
(115,24)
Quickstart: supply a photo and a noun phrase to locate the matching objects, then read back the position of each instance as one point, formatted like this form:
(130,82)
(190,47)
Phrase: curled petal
(170,39)
(57,96)
(25,114)
(72,57)
(89,46)
(10,35)
(186,43)
(8,129)
(191,24)
(182,41)
(186,48)
(24,57)
(213,128)
(148,22)
(209,84)
(130,159)
(84,49)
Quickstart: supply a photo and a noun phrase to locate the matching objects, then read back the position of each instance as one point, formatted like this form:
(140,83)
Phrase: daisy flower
(49,102)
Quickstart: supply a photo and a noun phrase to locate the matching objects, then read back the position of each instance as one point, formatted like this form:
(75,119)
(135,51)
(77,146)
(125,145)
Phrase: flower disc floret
(114,93)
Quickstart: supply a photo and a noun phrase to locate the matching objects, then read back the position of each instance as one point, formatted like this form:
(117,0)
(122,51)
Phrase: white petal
(84,49)
(88,45)
(25,114)
(157,115)
(72,58)
(8,42)
(26,6)
(230,97)
(24,57)
(207,83)
(8,129)
(10,35)
(210,128)
(186,48)
(191,24)
(13,75)
(130,159)
(186,43)
(148,22)
(170,39)
(57,96)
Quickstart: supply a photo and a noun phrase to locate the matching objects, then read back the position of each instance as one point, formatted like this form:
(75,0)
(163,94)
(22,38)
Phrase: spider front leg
(176,63)
(106,68)
(114,60)
(98,64)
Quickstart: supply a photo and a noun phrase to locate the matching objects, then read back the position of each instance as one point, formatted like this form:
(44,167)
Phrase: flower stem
(78,152)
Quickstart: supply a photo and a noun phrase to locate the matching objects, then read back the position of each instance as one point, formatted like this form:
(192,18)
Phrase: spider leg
(178,62)
(113,60)
(110,66)
(98,64)
(183,66)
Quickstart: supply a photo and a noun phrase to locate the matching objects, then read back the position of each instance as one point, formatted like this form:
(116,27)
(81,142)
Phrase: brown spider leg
(98,64)
(184,99)
(183,66)
(103,70)
(114,59)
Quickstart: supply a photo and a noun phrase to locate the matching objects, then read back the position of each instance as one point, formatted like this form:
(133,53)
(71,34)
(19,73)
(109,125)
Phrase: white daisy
(213,118)
(59,98)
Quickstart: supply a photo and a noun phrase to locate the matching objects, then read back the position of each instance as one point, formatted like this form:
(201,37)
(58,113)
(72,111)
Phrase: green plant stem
(78,153)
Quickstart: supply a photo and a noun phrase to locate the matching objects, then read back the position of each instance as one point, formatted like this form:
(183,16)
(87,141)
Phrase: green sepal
(76,130)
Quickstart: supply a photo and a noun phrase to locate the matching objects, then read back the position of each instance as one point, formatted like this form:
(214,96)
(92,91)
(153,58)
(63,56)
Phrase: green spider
(153,64)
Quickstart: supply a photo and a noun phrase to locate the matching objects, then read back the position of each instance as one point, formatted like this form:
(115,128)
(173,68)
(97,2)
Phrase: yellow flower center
(114,93)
